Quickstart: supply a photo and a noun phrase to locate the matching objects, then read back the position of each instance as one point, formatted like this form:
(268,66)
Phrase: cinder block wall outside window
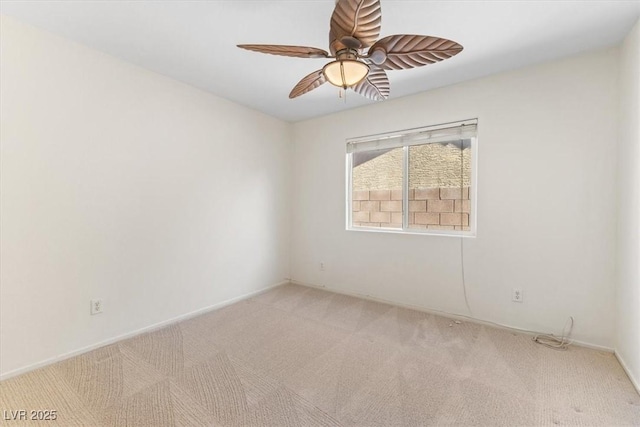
(429,208)
(439,183)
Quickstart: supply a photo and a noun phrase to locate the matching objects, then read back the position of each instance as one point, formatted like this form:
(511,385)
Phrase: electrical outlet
(517,295)
(323,266)
(96,306)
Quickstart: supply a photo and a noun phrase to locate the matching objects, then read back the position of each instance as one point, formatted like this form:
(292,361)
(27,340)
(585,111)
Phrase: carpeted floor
(296,356)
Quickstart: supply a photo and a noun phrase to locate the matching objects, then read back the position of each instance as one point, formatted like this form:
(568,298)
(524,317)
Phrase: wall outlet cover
(517,295)
(96,306)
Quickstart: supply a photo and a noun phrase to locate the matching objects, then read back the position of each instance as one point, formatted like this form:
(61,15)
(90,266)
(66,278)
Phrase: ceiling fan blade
(404,51)
(355,19)
(284,50)
(308,83)
(375,86)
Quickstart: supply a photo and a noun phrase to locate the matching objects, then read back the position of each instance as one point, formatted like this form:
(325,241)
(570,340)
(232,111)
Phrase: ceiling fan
(359,60)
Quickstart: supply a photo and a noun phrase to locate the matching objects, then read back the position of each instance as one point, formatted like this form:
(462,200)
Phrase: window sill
(441,233)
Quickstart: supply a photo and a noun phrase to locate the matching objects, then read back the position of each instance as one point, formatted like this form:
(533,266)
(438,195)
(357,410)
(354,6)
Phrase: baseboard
(455,316)
(149,328)
(633,379)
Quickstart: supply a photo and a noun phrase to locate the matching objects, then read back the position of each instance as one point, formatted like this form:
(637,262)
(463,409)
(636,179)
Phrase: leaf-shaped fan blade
(359,19)
(308,83)
(375,86)
(405,51)
(284,50)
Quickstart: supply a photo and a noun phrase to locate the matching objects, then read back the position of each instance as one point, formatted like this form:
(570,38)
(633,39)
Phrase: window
(417,181)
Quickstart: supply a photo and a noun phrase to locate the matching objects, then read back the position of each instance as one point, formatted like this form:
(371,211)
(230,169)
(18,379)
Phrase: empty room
(319,213)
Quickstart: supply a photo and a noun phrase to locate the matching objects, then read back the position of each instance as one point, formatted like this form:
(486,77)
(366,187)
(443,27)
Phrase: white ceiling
(194,41)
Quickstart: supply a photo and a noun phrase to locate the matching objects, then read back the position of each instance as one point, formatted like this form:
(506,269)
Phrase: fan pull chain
(343,94)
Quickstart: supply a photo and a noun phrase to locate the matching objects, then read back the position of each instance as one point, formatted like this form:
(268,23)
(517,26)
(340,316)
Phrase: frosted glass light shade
(345,73)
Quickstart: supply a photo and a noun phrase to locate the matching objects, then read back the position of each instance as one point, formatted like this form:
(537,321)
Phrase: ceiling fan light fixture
(360,59)
(346,72)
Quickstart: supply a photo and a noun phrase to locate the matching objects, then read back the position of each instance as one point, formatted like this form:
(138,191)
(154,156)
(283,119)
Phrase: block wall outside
(429,208)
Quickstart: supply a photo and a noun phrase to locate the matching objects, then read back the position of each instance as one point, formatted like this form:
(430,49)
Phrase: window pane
(439,182)
(377,188)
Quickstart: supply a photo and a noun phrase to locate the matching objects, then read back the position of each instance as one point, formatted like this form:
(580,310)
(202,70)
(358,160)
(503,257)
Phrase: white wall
(121,184)
(546,202)
(628,295)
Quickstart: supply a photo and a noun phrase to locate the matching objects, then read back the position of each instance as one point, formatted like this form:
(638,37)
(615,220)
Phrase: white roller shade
(442,134)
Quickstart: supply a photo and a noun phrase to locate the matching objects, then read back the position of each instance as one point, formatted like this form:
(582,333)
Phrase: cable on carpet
(554,342)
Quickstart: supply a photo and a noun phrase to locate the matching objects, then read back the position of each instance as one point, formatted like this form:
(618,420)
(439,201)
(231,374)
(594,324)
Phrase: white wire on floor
(557,343)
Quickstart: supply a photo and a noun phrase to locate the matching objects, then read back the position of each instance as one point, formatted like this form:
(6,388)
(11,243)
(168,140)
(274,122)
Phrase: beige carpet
(297,356)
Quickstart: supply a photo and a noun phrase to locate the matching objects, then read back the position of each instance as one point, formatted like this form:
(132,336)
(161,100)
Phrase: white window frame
(403,139)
